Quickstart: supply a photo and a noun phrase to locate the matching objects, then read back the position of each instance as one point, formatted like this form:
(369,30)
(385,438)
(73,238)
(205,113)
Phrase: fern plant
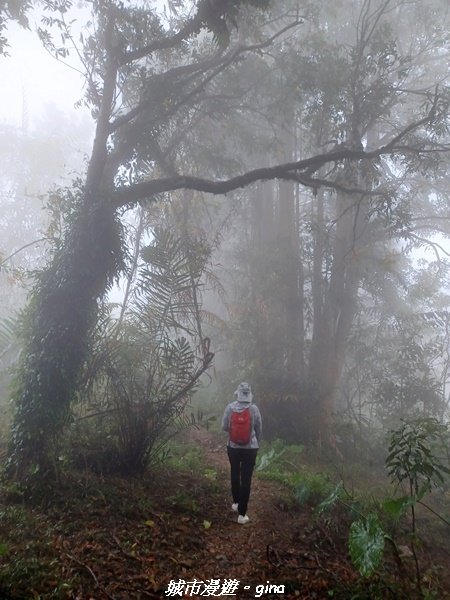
(9,354)
(8,341)
(143,372)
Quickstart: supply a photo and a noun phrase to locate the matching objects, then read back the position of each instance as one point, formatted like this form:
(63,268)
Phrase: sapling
(412,459)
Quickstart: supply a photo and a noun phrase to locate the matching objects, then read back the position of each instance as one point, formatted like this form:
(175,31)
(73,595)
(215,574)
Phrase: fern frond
(213,319)
(8,331)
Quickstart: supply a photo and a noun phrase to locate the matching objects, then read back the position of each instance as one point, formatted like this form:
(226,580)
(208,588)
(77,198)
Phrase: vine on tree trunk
(56,326)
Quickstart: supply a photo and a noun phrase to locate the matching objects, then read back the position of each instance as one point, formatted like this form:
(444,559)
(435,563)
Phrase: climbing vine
(55,328)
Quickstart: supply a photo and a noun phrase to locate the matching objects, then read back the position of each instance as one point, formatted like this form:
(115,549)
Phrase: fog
(198,194)
(313,284)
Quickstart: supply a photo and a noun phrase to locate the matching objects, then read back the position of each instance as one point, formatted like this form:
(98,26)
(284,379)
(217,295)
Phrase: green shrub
(283,463)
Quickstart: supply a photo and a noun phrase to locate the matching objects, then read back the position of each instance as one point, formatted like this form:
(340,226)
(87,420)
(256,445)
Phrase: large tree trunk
(63,308)
(261,266)
(59,318)
(291,279)
(335,305)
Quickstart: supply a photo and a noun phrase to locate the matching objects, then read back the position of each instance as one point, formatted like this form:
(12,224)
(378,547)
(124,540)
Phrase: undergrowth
(97,525)
(287,465)
(382,544)
(67,545)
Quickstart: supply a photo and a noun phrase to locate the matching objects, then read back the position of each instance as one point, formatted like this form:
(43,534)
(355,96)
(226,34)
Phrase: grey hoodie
(244,399)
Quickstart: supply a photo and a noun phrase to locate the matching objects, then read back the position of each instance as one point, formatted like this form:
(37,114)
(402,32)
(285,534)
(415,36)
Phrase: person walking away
(242,420)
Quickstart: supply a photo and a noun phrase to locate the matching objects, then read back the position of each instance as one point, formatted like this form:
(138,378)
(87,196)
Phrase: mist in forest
(328,291)
(205,197)
(323,284)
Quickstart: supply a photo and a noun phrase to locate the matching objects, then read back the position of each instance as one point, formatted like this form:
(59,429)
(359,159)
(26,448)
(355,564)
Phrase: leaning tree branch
(316,183)
(298,170)
(140,191)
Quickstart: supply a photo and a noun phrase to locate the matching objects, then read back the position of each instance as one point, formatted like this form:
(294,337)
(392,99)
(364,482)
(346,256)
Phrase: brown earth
(279,546)
(118,539)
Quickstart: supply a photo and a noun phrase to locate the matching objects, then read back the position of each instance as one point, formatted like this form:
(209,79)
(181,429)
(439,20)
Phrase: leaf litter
(126,539)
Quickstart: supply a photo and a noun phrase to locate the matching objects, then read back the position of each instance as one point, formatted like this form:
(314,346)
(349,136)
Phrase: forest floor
(174,535)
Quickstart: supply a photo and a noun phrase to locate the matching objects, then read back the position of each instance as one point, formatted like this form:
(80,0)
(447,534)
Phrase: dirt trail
(110,538)
(278,547)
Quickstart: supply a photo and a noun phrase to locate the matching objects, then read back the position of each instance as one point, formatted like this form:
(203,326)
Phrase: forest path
(173,532)
(279,546)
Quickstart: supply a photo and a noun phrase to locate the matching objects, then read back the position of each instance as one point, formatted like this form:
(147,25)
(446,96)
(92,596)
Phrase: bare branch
(33,243)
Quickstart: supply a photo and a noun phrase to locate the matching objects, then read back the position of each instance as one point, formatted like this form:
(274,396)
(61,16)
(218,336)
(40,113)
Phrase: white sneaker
(234,506)
(242,520)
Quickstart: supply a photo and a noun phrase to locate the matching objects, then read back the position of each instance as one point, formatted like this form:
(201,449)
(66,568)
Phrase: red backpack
(241,427)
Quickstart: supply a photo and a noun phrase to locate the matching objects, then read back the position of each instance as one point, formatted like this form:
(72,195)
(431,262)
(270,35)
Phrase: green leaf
(268,458)
(207,524)
(3,549)
(331,499)
(366,544)
(397,507)
(8,332)
(302,492)
(210,474)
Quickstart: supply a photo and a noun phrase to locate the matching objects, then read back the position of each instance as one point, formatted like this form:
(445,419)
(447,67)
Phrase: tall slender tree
(351,89)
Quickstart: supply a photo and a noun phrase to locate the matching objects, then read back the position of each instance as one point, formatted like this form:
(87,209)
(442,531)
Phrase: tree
(17,11)
(369,93)
(12,10)
(353,90)
(147,82)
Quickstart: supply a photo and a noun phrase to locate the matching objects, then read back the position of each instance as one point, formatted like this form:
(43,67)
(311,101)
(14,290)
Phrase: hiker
(242,420)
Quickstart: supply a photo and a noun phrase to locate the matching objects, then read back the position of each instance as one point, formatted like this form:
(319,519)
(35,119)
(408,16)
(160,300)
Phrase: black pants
(242,462)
